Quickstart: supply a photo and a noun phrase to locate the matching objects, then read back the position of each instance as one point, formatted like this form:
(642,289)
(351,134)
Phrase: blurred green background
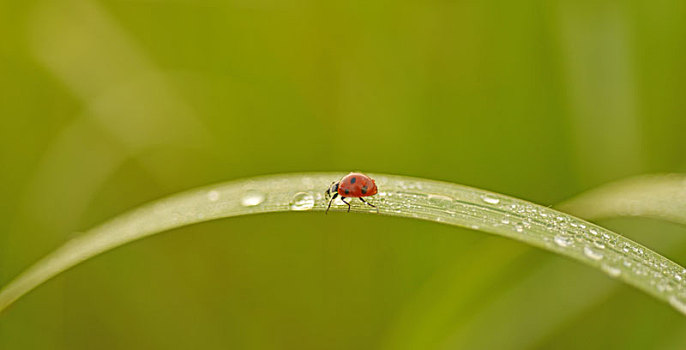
(106,105)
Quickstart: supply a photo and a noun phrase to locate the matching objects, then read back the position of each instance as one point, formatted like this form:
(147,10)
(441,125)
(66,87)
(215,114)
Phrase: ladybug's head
(333,188)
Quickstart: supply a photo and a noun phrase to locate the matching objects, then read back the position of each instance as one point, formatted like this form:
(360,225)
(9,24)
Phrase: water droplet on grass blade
(213,196)
(611,270)
(440,200)
(519,227)
(252,198)
(592,254)
(563,241)
(490,199)
(302,201)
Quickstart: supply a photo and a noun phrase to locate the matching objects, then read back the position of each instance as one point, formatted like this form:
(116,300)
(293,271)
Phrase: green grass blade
(654,196)
(400,196)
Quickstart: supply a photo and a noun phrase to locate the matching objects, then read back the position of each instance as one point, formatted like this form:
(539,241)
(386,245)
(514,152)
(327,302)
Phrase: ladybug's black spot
(347,191)
(364,190)
(352,181)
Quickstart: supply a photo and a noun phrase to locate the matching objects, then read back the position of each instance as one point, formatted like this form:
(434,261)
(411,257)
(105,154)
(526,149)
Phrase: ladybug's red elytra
(353,185)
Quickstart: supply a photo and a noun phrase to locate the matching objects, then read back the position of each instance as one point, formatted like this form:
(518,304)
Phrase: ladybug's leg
(369,204)
(331,201)
(343,200)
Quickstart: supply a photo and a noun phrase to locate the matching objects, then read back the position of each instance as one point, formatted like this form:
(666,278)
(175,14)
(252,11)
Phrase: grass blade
(400,196)
(653,196)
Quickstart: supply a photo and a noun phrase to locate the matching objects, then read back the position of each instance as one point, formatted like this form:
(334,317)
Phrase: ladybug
(353,185)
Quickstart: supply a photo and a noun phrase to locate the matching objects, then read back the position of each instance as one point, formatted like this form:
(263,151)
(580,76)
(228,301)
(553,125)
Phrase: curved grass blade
(400,196)
(660,196)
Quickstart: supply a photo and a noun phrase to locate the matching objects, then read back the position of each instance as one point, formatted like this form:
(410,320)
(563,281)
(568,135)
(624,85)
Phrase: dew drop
(213,196)
(252,198)
(611,270)
(302,201)
(490,199)
(592,254)
(440,200)
(593,231)
(519,227)
(562,241)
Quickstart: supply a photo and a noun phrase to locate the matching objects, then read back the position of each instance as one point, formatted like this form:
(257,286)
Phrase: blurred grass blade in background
(660,196)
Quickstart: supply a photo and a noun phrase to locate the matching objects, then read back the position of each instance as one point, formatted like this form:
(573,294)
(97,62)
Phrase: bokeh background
(106,105)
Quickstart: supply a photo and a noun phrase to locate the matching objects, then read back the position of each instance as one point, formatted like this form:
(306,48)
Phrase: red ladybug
(354,185)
